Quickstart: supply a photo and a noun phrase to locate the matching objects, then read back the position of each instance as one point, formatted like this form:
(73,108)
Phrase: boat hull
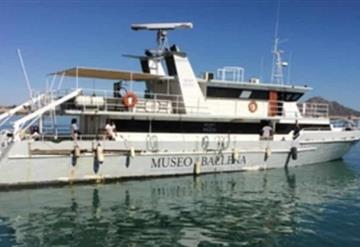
(21,168)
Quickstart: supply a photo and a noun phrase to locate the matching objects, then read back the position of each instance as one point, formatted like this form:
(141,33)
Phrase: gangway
(4,117)
(19,124)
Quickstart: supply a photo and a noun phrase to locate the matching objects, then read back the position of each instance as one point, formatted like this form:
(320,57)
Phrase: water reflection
(265,208)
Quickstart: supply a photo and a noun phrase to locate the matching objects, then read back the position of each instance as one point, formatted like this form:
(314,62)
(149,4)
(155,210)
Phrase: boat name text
(188,161)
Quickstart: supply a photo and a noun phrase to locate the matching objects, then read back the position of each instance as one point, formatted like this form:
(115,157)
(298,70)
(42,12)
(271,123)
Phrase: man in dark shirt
(297,129)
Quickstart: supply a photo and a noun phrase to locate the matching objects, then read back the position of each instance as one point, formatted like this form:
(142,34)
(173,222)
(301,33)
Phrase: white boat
(177,124)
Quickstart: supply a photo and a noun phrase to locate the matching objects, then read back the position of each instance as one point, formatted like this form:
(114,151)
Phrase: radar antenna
(162,31)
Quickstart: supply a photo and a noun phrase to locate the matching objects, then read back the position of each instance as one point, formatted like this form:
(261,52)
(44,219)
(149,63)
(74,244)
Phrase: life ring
(129,99)
(252,106)
(152,106)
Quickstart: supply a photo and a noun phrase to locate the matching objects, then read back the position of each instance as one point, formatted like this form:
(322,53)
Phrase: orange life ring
(130,99)
(252,106)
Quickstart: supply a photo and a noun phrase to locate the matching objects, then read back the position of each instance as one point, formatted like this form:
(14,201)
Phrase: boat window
(236,93)
(296,96)
(161,126)
(245,94)
(260,94)
(288,96)
(217,92)
(284,96)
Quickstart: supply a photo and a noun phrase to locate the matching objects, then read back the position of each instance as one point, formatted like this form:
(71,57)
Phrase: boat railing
(230,74)
(276,108)
(48,136)
(106,100)
(314,110)
(308,110)
(37,101)
(343,122)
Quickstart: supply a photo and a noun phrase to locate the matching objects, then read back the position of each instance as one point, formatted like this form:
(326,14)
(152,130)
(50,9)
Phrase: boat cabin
(167,96)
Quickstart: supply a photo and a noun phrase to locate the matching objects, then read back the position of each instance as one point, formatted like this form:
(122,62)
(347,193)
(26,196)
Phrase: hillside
(335,108)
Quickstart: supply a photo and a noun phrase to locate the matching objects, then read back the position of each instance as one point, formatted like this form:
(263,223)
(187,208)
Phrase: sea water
(316,205)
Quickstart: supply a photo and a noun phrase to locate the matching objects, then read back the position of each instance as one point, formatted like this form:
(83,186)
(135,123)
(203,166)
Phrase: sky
(322,39)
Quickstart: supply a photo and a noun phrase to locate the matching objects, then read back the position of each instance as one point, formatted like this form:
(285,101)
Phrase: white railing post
(304,109)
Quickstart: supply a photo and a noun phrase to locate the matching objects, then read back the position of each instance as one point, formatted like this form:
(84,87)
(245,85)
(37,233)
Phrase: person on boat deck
(296,130)
(109,128)
(267,132)
(113,127)
(350,125)
(34,133)
(74,129)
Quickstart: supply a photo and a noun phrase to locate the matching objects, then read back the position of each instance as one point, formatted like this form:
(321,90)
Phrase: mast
(277,73)
(25,74)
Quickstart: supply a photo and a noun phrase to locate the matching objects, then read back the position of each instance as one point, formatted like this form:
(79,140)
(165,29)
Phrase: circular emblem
(252,106)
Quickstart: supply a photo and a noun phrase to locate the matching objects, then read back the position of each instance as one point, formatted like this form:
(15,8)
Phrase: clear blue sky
(323,38)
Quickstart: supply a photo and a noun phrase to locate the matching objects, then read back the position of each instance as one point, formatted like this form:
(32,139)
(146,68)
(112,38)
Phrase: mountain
(335,108)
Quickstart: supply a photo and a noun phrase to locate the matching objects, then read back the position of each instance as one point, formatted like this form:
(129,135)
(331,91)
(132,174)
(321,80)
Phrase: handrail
(173,104)
(147,102)
(4,118)
(315,110)
(18,125)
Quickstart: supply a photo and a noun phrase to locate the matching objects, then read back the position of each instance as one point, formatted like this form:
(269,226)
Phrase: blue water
(316,205)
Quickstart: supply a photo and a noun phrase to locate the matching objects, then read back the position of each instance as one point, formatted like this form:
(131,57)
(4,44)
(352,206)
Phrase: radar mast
(161,31)
(277,73)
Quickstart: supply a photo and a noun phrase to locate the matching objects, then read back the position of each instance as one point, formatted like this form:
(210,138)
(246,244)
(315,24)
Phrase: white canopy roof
(109,74)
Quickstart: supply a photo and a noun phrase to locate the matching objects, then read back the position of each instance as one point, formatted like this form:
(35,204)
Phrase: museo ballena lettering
(188,161)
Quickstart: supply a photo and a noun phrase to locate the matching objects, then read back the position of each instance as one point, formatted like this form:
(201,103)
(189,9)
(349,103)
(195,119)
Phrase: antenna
(277,20)
(277,75)
(162,31)
(25,74)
